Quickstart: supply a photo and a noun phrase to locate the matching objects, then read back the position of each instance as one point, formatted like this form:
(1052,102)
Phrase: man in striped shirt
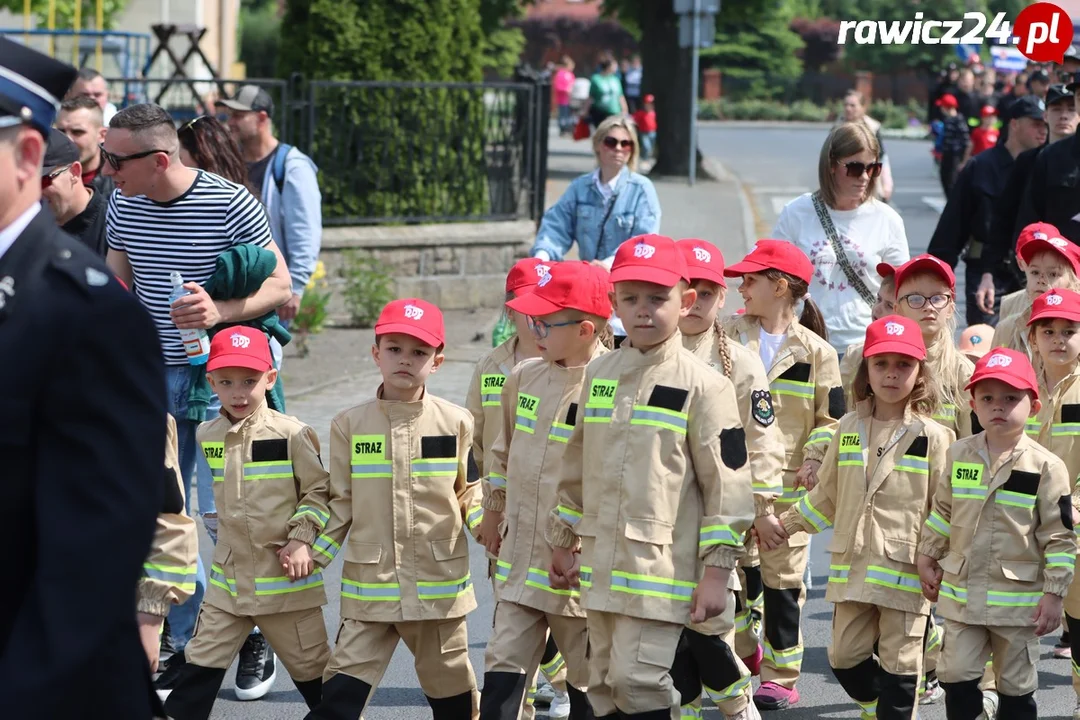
(166,217)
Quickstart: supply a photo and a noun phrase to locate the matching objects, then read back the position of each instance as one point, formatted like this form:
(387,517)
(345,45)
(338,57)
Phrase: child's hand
(770,532)
(489,534)
(807,475)
(296,560)
(710,595)
(1047,615)
(930,574)
(565,570)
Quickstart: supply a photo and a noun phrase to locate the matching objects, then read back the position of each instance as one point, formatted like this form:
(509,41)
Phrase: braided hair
(722,346)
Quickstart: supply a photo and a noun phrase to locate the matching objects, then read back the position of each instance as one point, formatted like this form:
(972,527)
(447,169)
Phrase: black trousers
(950,167)
(1004,283)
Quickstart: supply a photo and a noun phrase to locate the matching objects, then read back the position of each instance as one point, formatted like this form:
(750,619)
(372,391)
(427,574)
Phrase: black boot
(716,662)
(457,707)
(343,698)
(1020,707)
(502,695)
(862,683)
(195,692)
(312,692)
(897,698)
(964,700)
(580,708)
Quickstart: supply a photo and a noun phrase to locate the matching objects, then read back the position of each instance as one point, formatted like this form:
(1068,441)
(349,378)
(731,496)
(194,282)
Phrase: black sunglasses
(115,161)
(856,169)
(615,143)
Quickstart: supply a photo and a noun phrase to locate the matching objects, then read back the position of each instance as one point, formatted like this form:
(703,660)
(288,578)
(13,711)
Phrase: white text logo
(413,313)
(927,32)
(702,255)
(999,361)
(894,328)
(544,280)
(642,250)
(1054,300)
(240,341)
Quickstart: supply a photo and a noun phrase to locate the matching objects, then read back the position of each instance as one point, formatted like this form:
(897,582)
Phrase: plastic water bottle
(196,342)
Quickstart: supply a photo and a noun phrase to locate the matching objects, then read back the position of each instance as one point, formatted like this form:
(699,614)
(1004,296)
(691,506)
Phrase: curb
(719,172)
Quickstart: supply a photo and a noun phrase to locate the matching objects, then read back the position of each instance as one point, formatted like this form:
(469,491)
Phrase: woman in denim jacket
(603,208)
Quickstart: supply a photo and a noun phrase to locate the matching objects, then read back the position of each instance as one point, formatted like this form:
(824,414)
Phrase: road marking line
(935,203)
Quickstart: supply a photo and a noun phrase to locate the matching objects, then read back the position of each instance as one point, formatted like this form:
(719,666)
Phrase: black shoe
(257,670)
(170,674)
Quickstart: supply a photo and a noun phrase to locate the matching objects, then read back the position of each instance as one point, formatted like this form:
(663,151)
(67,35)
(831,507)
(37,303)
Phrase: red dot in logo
(1045,32)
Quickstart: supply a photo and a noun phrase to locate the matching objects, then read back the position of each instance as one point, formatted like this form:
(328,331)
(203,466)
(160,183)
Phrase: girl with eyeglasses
(1048,261)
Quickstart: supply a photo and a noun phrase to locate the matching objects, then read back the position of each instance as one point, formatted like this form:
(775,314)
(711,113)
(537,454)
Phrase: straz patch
(368,447)
(602,393)
(849,442)
(761,408)
(967,473)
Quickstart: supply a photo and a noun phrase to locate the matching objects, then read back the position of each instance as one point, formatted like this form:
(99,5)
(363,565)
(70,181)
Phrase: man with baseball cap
(79,208)
(83,436)
(288,183)
(964,225)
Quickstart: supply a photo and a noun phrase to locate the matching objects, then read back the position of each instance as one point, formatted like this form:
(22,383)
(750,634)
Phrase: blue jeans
(566,119)
(648,141)
(182,617)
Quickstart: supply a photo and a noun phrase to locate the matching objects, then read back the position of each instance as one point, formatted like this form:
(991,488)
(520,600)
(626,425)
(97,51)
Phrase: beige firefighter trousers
(966,650)
(731,700)
(630,663)
(783,569)
(856,627)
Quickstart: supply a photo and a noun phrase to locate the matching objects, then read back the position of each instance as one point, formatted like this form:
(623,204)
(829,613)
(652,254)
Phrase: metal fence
(397,152)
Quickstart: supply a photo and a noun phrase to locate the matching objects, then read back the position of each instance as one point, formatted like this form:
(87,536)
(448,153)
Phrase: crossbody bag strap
(841,257)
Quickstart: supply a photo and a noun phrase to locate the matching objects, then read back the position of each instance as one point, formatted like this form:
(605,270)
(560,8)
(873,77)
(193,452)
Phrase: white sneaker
(560,705)
(750,712)
(545,694)
(990,705)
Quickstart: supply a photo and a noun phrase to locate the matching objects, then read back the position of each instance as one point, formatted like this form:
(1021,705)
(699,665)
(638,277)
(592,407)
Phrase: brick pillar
(710,84)
(864,83)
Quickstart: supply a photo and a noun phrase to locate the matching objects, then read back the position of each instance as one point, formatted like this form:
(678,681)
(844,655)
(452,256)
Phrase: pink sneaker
(771,696)
(753,663)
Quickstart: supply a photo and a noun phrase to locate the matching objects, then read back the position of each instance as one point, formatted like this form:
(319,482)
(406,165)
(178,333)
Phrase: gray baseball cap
(250,98)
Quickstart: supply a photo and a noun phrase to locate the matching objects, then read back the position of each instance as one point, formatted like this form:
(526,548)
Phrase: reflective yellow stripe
(269,470)
(652,586)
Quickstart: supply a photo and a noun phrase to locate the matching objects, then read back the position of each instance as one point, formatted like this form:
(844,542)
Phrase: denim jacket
(580,213)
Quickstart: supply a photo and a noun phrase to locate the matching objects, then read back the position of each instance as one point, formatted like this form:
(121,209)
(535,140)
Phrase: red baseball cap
(987,111)
(924,263)
(1037,237)
(704,261)
(240,346)
(649,258)
(886,270)
(575,285)
(894,334)
(947,100)
(650,98)
(774,255)
(525,273)
(1009,366)
(415,317)
(1056,303)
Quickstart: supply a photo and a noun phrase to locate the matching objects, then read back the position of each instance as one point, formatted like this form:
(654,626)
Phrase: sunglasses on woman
(612,143)
(856,169)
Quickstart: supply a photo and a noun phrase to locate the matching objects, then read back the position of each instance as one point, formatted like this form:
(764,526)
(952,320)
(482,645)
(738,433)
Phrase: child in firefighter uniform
(852,358)
(484,402)
(659,525)
(169,571)
(1055,338)
(704,335)
(568,310)
(271,493)
(804,378)
(997,550)
(876,485)
(403,490)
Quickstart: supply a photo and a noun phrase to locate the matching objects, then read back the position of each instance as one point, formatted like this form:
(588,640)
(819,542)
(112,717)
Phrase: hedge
(890,115)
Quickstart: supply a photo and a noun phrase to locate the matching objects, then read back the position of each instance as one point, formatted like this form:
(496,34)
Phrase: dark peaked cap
(31,85)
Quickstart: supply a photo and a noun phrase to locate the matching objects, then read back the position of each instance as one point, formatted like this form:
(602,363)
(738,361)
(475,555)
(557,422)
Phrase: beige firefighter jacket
(1002,539)
(540,410)
(877,517)
(484,400)
(1012,332)
(270,487)
(807,398)
(169,571)
(400,479)
(763,439)
(668,489)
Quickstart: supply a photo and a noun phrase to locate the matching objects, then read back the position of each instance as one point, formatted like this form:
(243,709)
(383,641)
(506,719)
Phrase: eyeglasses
(915,301)
(115,161)
(610,142)
(856,169)
(541,329)
(47,180)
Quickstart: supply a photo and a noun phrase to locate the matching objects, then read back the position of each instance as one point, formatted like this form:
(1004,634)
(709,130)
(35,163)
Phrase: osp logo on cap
(702,255)
(644,250)
(894,328)
(1054,300)
(544,280)
(1040,235)
(542,270)
(999,361)
(240,341)
(413,313)
(1058,242)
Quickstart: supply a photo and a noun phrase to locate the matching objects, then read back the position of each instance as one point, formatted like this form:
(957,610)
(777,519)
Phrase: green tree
(260,37)
(392,151)
(65,12)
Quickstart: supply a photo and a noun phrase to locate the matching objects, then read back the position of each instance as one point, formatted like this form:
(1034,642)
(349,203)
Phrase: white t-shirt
(870,234)
(768,346)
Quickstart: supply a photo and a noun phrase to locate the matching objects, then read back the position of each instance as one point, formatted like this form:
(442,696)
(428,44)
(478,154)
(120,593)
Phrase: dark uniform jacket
(1053,191)
(89,225)
(82,434)
(999,252)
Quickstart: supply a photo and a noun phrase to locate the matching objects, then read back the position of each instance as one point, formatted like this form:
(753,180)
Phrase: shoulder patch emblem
(761,408)
(96,278)
(733,447)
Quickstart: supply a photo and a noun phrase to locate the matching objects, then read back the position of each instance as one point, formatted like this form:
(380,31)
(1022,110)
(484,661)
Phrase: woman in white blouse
(845,231)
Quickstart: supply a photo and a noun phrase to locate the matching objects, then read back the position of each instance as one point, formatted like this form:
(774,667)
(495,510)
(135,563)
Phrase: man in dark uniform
(1053,191)
(79,209)
(1061,121)
(82,436)
(968,214)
